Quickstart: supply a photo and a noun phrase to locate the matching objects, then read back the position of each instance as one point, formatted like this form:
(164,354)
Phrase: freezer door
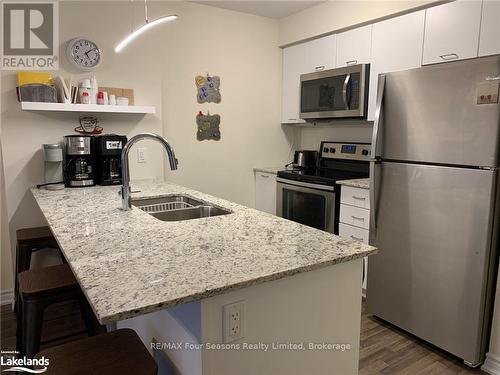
(433,230)
(431,114)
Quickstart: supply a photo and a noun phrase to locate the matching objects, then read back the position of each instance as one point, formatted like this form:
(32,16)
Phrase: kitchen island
(171,280)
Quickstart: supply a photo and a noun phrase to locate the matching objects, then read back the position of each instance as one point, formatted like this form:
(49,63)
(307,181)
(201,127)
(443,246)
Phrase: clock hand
(90,50)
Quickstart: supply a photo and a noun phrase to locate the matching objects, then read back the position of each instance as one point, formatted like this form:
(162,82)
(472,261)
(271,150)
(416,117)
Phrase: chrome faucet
(125,190)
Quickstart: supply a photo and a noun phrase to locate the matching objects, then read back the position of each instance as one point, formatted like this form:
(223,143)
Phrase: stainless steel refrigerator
(435,206)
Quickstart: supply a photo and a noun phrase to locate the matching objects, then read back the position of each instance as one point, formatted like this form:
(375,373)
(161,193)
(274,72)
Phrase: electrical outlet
(233,321)
(141,155)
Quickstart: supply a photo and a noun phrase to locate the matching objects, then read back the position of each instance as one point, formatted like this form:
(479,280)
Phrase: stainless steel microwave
(335,93)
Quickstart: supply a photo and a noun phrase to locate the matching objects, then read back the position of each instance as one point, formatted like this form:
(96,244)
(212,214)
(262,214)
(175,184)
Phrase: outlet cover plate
(233,326)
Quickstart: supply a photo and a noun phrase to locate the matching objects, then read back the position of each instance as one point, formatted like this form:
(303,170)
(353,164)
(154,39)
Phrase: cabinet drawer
(353,233)
(359,217)
(355,196)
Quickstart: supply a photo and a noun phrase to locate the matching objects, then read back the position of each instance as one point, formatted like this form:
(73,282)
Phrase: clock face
(84,53)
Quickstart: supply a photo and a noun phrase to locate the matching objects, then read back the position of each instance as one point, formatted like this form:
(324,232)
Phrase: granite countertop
(129,263)
(272,170)
(363,183)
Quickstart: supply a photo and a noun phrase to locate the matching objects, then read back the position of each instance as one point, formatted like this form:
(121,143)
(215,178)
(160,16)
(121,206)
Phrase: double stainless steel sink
(178,208)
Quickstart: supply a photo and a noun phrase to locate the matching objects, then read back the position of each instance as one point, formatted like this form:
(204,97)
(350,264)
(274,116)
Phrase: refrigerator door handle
(378,114)
(373,205)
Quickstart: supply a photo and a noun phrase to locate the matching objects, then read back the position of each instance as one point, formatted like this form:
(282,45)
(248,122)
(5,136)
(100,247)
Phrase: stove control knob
(325,149)
(332,150)
(364,152)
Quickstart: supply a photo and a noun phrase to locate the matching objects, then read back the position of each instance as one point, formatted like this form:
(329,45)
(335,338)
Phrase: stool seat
(35,234)
(46,280)
(120,352)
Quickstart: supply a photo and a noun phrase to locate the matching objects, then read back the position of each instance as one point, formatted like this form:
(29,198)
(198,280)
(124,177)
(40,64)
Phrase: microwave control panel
(353,151)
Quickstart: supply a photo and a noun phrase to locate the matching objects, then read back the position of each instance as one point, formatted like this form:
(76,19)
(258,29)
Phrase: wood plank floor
(388,350)
(384,349)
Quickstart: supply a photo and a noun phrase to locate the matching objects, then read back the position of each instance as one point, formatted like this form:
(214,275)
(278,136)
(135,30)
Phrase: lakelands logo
(30,38)
(24,365)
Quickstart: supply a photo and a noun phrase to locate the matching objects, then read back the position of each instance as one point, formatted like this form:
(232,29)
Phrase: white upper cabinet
(354,46)
(321,53)
(451,31)
(316,55)
(396,45)
(295,63)
(489,41)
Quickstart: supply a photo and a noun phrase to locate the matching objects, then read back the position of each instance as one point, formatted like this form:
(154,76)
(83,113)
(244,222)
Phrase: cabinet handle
(359,198)
(264,175)
(292,119)
(351,62)
(490,78)
(358,218)
(449,56)
(356,238)
(321,67)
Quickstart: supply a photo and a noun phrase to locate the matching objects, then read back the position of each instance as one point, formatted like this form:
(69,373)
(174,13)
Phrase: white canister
(112,99)
(84,87)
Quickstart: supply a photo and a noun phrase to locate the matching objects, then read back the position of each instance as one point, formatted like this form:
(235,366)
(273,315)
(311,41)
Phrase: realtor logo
(30,35)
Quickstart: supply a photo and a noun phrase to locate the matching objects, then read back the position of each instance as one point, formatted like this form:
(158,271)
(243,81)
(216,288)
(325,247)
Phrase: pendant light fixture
(147,25)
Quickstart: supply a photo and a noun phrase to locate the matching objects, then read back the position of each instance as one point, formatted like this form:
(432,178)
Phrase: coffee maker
(79,161)
(108,158)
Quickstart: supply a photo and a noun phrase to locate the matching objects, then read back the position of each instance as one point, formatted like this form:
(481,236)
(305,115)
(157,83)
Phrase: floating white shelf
(62,107)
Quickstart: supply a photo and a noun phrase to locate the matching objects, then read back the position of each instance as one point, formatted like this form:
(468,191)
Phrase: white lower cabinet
(265,192)
(354,218)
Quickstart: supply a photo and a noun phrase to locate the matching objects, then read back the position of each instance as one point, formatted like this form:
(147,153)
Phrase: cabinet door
(452,31)
(294,64)
(396,45)
(489,41)
(354,46)
(321,53)
(265,192)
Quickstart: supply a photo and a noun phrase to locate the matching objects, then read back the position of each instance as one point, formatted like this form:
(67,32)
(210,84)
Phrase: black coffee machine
(79,161)
(108,162)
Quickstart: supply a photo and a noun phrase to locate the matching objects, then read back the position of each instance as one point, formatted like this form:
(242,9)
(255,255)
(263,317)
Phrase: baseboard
(491,365)
(6,297)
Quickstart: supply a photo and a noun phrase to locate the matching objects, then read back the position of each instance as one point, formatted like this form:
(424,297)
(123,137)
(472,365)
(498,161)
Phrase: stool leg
(32,312)
(92,325)
(23,262)
(19,326)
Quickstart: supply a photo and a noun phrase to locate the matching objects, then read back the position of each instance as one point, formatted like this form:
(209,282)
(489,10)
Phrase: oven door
(306,203)
(334,93)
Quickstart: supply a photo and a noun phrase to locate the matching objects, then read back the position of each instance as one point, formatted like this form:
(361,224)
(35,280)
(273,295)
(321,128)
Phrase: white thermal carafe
(53,155)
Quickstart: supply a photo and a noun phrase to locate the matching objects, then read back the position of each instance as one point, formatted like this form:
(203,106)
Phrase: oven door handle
(305,184)
(344,91)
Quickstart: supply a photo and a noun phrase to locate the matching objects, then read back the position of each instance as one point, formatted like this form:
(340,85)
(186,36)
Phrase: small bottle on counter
(85,98)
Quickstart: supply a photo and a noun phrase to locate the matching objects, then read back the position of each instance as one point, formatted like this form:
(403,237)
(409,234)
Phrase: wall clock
(83,54)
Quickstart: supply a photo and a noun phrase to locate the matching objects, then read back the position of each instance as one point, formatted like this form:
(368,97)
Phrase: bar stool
(120,352)
(40,288)
(30,240)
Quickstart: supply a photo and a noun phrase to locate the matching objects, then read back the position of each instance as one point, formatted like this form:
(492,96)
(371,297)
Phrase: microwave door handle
(344,90)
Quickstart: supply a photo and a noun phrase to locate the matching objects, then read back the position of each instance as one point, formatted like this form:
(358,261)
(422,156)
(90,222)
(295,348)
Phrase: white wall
(336,15)
(160,67)
(243,50)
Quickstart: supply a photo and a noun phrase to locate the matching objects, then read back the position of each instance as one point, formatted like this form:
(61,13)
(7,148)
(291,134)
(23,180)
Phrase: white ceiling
(272,9)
